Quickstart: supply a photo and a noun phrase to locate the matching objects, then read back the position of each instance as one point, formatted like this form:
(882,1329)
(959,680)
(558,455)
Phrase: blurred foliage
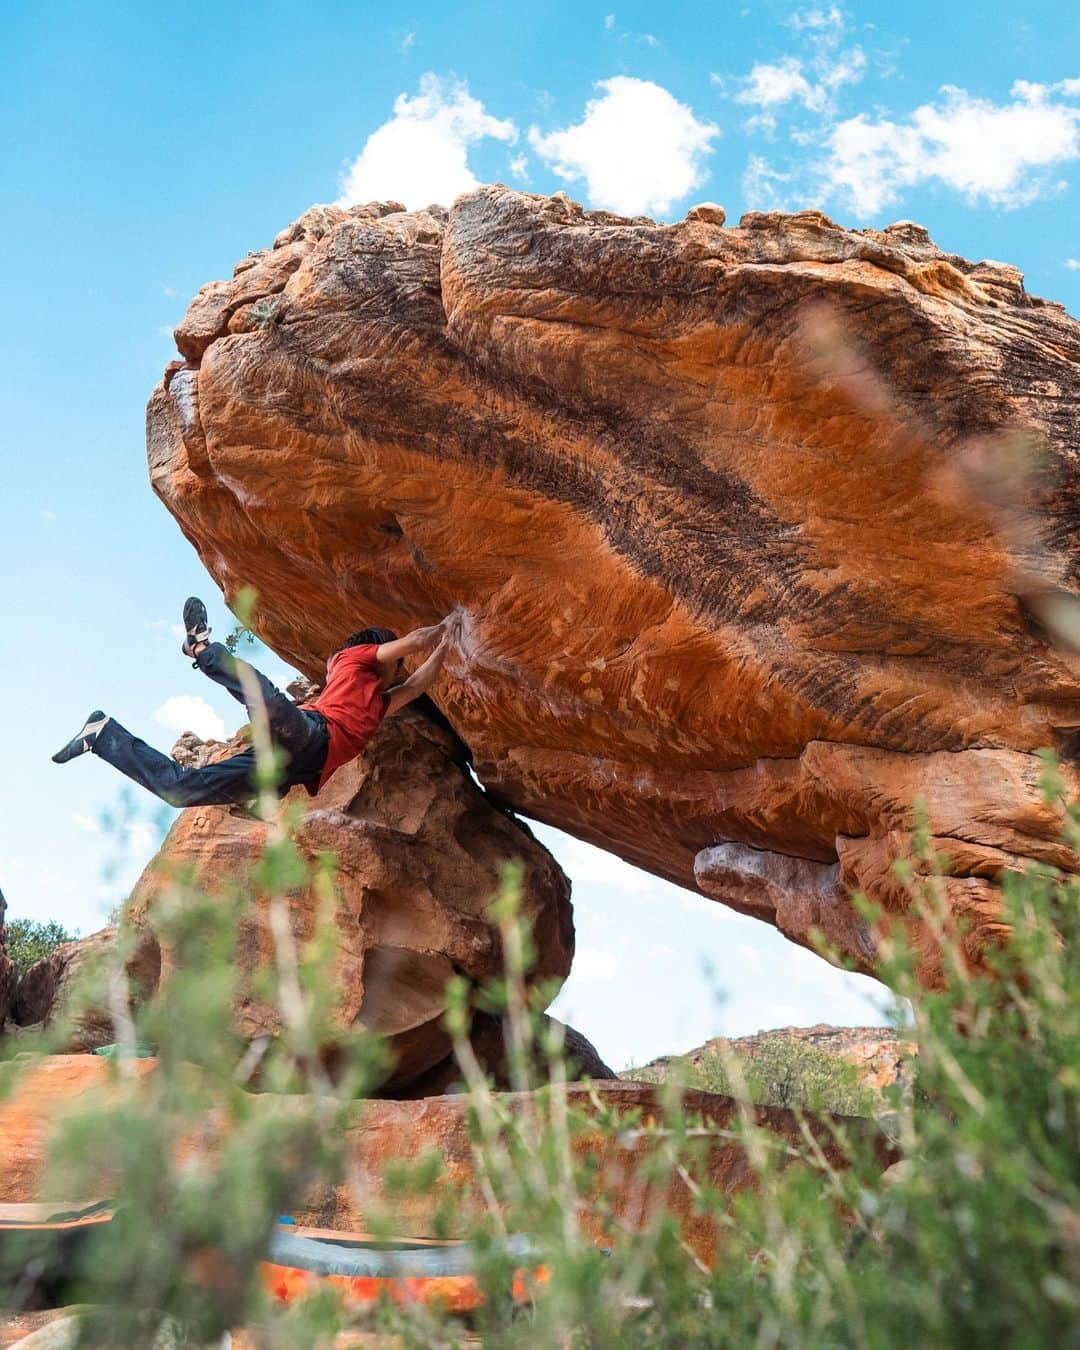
(972,1239)
(243,609)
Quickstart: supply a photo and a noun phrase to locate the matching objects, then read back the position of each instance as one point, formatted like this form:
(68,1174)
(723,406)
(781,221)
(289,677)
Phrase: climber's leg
(301,734)
(225,783)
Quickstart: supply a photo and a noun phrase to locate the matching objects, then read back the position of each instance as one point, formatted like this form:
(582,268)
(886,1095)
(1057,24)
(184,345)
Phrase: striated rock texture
(723,508)
(420,852)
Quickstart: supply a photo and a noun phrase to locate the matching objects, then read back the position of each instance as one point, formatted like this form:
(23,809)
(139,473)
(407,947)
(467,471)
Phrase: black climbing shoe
(195,626)
(84,741)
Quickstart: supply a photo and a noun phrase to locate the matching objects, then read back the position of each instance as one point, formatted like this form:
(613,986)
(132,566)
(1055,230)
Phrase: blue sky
(146,148)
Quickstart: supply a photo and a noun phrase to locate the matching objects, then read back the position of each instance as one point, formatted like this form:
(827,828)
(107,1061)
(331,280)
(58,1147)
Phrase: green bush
(781,1071)
(974,1239)
(26,941)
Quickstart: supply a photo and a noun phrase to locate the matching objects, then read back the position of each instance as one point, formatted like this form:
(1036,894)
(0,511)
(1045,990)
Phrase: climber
(317,737)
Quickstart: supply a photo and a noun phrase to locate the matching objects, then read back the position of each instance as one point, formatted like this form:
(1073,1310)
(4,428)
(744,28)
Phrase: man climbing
(317,737)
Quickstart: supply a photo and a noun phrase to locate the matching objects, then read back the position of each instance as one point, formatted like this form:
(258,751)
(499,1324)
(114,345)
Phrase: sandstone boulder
(488,1039)
(719,505)
(71,983)
(419,850)
(381,1133)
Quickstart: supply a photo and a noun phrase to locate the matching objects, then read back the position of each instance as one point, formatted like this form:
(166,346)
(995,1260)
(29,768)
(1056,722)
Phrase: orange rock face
(716,504)
(384,1132)
(43,1092)
(48,989)
(419,853)
(380,1133)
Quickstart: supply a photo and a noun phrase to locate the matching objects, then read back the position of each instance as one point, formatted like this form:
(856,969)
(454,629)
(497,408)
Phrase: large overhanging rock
(708,498)
(420,853)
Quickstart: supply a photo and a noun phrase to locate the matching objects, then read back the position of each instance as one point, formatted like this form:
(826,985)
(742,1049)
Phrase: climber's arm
(419,640)
(420,680)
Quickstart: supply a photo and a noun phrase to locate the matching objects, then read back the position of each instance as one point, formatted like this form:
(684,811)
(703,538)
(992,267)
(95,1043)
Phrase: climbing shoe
(84,741)
(196,629)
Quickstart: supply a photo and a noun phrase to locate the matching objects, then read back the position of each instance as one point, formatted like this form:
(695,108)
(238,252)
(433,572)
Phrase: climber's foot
(84,741)
(196,629)
(242,811)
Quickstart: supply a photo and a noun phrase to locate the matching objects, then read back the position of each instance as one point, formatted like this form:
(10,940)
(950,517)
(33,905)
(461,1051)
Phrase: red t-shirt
(353,702)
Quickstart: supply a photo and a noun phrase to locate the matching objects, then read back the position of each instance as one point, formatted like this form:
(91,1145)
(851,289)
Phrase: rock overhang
(704,495)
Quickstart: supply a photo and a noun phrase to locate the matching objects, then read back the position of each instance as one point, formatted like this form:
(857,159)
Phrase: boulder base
(419,852)
(380,1133)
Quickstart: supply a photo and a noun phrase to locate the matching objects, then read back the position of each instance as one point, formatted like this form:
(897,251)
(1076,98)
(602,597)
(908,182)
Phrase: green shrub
(780,1072)
(973,1240)
(26,941)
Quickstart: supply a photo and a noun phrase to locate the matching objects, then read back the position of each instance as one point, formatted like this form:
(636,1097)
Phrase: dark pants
(302,735)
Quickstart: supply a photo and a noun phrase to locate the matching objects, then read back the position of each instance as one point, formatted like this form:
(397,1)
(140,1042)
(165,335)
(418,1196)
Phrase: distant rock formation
(742,577)
(50,989)
(876,1053)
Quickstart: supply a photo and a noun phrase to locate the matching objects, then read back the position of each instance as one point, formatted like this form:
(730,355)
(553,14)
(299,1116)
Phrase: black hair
(369,637)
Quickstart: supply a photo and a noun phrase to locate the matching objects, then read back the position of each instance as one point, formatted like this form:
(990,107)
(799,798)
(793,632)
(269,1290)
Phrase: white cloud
(519,167)
(761,124)
(142,836)
(594,966)
(170,291)
(47,514)
(637,147)
(407,43)
(987,151)
(187,712)
(811,78)
(769,84)
(848,68)
(1073,264)
(85,823)
(765,188)
(817,20)
(420,155)
(609,21)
